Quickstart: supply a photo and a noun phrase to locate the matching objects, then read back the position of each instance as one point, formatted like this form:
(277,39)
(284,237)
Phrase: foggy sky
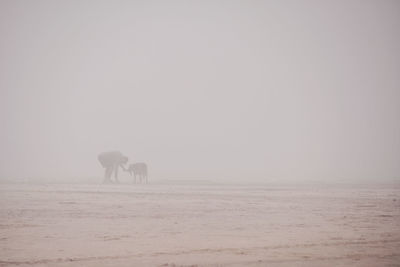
(245,90)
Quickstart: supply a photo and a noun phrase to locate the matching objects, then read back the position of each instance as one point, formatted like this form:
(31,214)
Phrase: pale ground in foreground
(199,225)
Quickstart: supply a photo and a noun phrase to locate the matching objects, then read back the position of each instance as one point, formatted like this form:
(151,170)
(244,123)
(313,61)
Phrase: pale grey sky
(252,90)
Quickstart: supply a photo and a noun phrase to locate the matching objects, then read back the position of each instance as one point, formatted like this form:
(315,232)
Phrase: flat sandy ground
(199,225)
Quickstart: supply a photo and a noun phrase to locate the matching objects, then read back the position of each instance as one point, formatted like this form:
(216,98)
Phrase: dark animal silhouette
(111,161)
(138,169)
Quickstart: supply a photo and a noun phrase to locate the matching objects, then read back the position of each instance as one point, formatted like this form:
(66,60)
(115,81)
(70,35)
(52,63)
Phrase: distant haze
(216,90)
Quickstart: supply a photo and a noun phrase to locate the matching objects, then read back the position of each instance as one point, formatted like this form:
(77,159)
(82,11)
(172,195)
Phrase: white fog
(237,90)
(261,133)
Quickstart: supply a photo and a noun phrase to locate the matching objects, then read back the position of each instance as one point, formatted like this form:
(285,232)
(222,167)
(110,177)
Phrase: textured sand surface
(199,225)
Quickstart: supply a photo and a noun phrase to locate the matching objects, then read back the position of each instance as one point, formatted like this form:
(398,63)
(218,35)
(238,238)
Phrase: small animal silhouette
(139,169)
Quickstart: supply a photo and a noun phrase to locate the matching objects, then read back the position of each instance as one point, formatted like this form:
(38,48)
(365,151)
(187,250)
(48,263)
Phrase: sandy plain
(199,225)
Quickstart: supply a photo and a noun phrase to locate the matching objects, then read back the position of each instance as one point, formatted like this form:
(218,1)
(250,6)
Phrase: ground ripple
(223,250)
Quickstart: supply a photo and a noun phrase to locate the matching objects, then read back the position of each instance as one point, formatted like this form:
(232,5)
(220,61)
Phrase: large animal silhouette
(111,161)
(139,169)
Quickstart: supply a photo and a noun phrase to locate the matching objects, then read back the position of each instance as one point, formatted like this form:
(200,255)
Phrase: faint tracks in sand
(237,251)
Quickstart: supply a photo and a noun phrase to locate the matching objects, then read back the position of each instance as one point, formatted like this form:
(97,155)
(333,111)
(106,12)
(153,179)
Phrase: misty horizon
(199,133)
(253,91)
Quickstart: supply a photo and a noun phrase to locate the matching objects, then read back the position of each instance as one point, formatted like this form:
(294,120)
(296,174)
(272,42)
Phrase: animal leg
(116,173)
(107,174)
